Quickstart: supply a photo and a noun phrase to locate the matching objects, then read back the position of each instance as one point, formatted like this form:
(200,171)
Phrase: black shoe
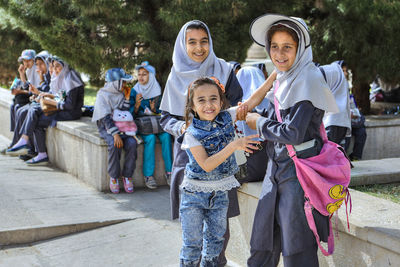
(27,157)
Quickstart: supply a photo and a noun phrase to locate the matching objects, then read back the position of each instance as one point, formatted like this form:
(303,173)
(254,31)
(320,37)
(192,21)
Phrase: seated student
(358,129)
(66,96)
(43,70)
(115,95)
(28,75)
(337,124)
(251,78)
(146,94)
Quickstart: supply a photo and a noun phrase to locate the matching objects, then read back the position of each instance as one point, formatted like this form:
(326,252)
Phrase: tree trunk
(361,95)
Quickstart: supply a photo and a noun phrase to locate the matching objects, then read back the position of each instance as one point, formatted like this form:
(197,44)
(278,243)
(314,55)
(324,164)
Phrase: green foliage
(13,40)
(96,35)
(363,33)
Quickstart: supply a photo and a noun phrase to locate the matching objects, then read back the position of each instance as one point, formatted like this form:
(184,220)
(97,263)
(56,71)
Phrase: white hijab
(184,71)
(340,90)
(151,89)
(66,80)
(303,81)
(108,98)
(32,76)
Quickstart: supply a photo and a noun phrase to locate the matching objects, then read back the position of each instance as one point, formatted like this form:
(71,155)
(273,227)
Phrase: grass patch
(386,191)
(90,95)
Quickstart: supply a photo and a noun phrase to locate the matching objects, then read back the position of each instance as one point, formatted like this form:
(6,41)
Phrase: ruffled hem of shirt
(206,187)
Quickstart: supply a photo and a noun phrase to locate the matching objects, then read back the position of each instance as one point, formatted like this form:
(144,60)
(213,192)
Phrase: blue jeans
(203,220)
(149,153)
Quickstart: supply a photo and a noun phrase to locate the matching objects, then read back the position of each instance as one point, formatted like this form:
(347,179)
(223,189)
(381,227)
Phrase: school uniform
(151,91)
(302,96)
(109,98)
(68,86)
(338,124)
(22,99)
(282,198)
(21,113)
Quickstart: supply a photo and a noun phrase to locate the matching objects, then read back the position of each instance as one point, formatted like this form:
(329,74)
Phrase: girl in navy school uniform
(209,174)
(43,70)
(66,94)
(115,95)
(145,98)
(28,75)
(280,224)
(192,58)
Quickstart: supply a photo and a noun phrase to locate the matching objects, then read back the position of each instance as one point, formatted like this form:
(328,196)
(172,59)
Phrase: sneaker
(150,182)
(167,176)
(114,185)
(17,151)
(128,184)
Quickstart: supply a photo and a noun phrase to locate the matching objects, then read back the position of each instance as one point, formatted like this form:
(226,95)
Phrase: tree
(363,33)
(95,35)
(13,40)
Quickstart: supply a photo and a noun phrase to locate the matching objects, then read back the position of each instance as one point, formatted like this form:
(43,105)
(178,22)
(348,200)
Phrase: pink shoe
(114,185)
(128,184)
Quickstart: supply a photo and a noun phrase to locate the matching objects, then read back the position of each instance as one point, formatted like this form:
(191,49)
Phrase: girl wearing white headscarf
(114,96)
(66,86)
(280,224)
(193,58)
(145,99)
(42,69)
(338,124)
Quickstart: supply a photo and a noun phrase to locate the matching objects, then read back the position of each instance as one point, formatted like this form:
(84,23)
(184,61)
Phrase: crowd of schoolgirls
(226,127)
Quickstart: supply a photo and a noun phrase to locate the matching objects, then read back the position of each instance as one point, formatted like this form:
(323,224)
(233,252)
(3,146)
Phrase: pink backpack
(324,179)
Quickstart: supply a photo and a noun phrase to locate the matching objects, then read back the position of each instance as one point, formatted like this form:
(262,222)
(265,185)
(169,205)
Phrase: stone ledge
(77,148)
(374,230)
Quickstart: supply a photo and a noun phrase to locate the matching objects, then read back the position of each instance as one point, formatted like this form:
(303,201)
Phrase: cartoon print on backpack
(125,123)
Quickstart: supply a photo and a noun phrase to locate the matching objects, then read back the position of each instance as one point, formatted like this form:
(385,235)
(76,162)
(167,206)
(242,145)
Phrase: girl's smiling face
(283,50)
(57,67)
(206,102)
(197,44)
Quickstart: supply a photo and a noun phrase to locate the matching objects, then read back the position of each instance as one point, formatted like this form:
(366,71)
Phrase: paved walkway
(49,218)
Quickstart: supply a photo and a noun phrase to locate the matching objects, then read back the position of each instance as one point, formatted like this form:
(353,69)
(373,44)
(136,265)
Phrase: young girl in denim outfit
(209,143)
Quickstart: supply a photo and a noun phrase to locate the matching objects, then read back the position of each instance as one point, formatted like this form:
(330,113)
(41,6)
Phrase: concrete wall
(383,137)
(373,239)
(76,147)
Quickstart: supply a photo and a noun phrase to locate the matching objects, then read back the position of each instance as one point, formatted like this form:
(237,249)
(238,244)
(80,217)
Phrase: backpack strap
(311,223)
(307,205)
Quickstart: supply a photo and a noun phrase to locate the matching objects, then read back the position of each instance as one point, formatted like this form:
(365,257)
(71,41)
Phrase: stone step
(380,171)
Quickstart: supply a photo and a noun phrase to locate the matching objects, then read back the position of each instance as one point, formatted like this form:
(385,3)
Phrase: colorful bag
(324,179)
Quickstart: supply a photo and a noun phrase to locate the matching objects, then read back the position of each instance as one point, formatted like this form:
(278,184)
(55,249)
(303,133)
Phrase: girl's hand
(139,98)
(246,143)
(33,89)
(21,68)
(241,112)
(118,143)
(251,120)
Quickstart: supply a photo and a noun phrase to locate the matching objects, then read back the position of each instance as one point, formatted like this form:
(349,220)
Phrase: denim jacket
(214,136)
